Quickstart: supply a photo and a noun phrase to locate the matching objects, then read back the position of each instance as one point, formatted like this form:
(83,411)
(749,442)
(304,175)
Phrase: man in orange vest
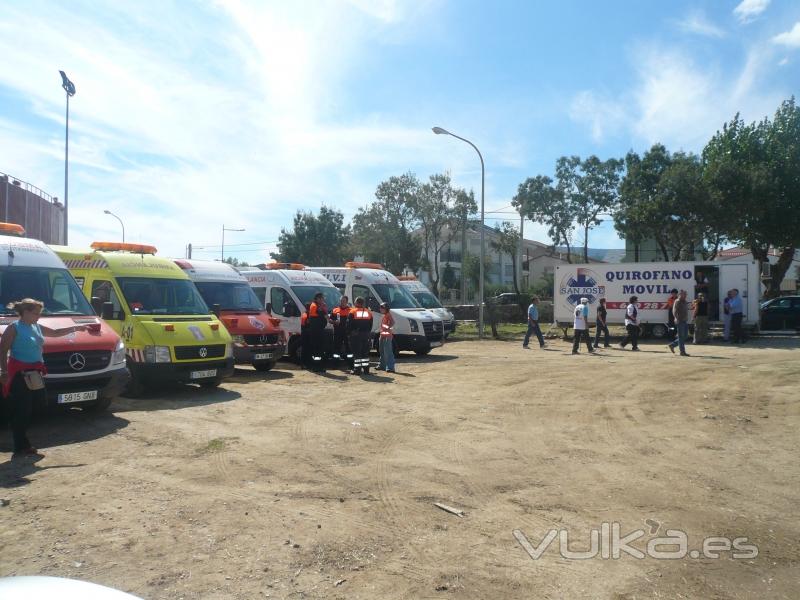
(341,349)
(317,321)
(359,328)
(305,343)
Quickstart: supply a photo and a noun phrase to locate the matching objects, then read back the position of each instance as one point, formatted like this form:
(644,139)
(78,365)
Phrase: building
(791,279)
(648,251)
(40,214)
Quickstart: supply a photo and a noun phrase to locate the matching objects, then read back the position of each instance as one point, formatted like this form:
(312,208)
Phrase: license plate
(203,374)
(263,356)
(77,397)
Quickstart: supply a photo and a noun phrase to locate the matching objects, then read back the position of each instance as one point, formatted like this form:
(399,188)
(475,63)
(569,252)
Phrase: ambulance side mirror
(97,306)
(269,307)
(107,312)
(215,308)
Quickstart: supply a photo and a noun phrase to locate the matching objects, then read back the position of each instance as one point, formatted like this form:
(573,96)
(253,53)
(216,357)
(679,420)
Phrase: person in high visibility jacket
(386,344)
(305,343)
(359,328)
(317,321)
(341,348)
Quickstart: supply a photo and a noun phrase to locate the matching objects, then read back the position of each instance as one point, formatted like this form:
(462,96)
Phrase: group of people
(352,335)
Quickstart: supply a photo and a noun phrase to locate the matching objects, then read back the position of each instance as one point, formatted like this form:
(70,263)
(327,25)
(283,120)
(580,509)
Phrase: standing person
(341,349)
(701,319)
(631,324)
(581,326)
(22,373)
(673,295)
(681,311)
(736,306)
(602,325)
(533,324)
(305,340)
(359,328)
(387,340)
(317,321)
(726,316)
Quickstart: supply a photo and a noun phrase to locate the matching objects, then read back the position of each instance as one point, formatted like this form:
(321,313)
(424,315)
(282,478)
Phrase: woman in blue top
(21,374)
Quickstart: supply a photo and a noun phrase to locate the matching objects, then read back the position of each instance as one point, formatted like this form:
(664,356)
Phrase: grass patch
(506,331)
(214,446)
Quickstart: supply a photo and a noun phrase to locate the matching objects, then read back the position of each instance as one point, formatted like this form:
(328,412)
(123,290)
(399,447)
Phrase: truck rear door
(734,277)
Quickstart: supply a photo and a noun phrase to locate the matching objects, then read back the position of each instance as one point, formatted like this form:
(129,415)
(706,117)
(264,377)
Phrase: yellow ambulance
(169,333)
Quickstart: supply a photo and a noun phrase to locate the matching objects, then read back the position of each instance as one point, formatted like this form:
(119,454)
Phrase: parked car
(508,298)
(781,313)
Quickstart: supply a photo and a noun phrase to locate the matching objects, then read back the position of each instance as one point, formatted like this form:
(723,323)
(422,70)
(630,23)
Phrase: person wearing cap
(386,344)
(581,314)
(631,324)
(701,319)
(533,324)
(681,311)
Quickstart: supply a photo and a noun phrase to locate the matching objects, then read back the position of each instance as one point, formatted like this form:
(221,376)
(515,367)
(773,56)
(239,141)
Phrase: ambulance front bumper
(71,390)
(252,354)
(412,342)
(180,372)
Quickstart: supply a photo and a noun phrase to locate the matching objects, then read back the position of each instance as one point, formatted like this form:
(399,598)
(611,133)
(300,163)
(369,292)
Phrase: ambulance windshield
(146,295)
(396,295)
(306,294)
(229,295)
(427,299)
(54,287)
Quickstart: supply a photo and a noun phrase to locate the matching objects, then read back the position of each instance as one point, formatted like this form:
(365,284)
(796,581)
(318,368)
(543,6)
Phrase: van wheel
(295,351)
(211,383)
(100,406)
(263,365)
(659,331)
(422,351)
(135,387)
(395,349)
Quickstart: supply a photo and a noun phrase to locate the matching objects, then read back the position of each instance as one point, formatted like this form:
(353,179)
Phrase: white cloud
(747,10)
(697,23)
(790,38)
(602,114)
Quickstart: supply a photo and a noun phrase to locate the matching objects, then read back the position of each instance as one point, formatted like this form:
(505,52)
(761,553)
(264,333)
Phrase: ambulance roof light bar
(124,247)
(363,265)
(12,229)
(283,266)
(407,277)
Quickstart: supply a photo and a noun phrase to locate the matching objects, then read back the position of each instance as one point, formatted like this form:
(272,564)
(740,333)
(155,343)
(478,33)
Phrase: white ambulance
(416,329)
(427,300)
(651,283)
(284,289)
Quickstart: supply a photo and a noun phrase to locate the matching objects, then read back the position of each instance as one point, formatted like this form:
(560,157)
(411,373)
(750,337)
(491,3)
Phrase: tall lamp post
(108,212)
(440,131)
(69,88)
(224,229)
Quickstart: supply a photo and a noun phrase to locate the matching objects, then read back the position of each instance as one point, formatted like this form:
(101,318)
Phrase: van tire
(295,350)
(422,351)
(659,331)
(100,406)
(135,387)
(265,365)
(211,383)
(395,349)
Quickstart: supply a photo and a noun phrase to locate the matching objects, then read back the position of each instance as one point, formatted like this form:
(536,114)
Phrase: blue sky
(191,115)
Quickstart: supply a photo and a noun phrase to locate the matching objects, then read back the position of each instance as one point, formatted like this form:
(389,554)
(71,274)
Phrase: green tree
(233,261)
(382,231)
(539,200)
(592,191)
(449,279)
(507,242)
(316,240)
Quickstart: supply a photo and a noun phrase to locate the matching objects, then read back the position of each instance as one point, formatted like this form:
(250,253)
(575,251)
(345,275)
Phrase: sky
(191,116)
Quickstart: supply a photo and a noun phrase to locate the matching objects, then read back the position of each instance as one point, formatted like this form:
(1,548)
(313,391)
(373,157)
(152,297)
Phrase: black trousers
(359,346)
(21,401)
(581,334)
(632,337)
(341,344)
(316,347)
(736,328)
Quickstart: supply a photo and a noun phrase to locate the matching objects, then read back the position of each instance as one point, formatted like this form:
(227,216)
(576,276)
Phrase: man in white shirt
(631,324)
(581,326)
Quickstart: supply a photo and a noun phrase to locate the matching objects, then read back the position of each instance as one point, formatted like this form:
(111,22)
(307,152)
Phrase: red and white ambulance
(85,368)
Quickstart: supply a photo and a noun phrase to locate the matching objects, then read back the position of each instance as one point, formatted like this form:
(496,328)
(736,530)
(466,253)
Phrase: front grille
(434,330)
(199,352)
(76,385)
(70,362)
(269,339)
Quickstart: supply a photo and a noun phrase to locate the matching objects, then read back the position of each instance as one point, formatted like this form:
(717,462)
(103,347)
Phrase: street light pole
(69,88)
(440,131)
(224,229)
(108,212)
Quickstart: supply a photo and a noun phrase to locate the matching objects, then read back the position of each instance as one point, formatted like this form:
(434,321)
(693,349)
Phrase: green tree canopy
(315,240)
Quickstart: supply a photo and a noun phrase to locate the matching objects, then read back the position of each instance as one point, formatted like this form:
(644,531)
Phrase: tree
(507,242)
(382,230)
(235,262)
(441,211)
(449,279)
(538,200)
(318,240)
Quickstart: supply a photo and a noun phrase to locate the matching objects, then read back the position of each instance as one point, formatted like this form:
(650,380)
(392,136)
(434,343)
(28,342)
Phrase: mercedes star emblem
(77,361)
(203,352)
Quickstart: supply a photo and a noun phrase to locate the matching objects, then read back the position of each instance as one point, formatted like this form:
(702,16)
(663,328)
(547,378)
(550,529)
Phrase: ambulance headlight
(413,325)
(157,354)
(119,353)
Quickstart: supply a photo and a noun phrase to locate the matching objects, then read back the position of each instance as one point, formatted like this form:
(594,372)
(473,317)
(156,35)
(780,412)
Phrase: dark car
(781,313)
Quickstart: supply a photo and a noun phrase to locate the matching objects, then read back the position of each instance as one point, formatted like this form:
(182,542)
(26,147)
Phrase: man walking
(736,306)
(601,324)
(631,324)
(681,312)
(533,324)
(581,326)
(673,295)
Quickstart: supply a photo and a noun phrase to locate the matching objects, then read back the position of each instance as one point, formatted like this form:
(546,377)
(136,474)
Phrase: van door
(285,308)
(734,277)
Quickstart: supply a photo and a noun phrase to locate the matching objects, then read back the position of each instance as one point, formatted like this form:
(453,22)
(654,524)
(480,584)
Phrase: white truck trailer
(651,283)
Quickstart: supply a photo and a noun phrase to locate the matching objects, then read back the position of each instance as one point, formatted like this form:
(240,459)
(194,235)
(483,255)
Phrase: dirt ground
(296,485)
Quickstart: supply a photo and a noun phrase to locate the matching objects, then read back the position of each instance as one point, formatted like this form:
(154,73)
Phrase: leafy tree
(441,211)
(382,231)
(449,279)
(591,187)
(507,242)
(318,240)
(231,260)
(471,269)
(538,200)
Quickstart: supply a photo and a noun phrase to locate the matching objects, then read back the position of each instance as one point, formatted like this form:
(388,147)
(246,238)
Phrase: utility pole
(463,258)
(69,88)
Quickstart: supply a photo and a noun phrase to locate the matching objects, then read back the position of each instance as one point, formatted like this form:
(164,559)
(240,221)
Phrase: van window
(282,303)
(104,290)
(261,294)
(370,301)
(154,295)
(55,287)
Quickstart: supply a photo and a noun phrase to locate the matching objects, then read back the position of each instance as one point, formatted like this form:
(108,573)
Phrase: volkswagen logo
(203,352)
(77,361)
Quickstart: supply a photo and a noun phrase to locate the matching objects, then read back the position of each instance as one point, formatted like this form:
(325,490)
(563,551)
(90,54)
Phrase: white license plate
(203,374)
(263,356)
(77,397)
